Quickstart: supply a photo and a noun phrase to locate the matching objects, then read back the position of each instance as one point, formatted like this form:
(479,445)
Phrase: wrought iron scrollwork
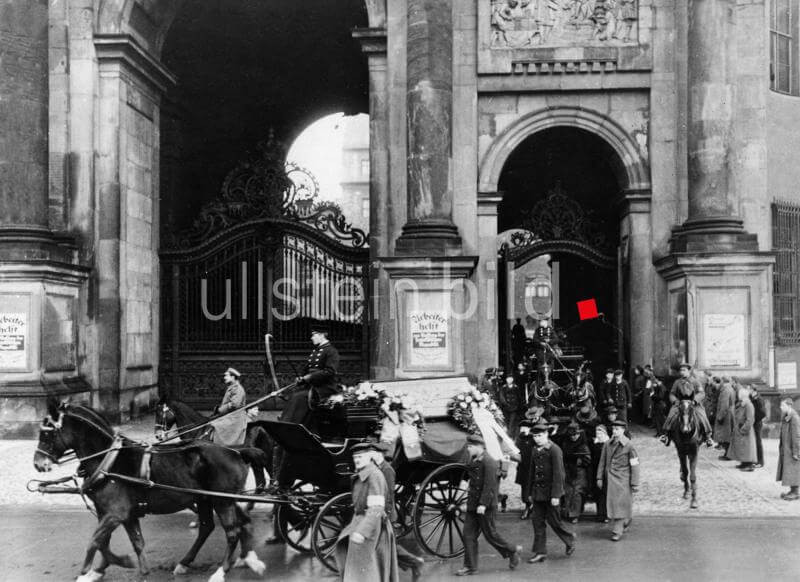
(265,186)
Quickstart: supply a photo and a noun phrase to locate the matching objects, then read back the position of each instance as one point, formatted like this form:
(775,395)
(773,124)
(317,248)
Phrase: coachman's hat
(233,372)
(367,447)
(320,327)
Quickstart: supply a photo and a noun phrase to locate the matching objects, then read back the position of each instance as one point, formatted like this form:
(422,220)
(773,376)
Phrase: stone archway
(628,160)
(633,170)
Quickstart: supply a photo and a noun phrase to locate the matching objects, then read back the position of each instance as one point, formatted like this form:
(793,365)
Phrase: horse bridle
(55,426)
(164,424)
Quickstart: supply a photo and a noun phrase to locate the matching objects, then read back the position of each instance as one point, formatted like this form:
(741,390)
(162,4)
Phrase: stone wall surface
(23,112)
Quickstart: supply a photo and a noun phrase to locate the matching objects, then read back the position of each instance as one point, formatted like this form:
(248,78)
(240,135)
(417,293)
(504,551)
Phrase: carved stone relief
(520,24)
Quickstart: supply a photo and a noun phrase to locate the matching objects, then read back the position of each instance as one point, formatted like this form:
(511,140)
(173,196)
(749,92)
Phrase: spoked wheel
(295,520)
(404,508)
(329,523)
(439,511)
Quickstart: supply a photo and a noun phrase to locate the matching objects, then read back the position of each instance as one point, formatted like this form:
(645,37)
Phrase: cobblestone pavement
(722,489)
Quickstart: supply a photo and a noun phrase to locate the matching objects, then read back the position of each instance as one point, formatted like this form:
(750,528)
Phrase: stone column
(373,43)
(713,222)
(429,228)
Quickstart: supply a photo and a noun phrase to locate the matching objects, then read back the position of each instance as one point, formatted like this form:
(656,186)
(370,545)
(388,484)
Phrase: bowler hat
(366,447)
(618,422)
(540,426)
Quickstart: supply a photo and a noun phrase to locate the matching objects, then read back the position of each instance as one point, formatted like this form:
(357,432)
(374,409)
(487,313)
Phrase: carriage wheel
(294,521)
(329,523)
(439,511)
(403,506)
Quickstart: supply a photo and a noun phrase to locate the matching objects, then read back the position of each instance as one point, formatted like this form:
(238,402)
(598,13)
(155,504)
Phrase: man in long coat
(743,444)
(231,429)
(365,550)
(524,443)
(318,380)
(577,463)
(723,421)
(789,451)
(619,473)
(544,490)
(481,508)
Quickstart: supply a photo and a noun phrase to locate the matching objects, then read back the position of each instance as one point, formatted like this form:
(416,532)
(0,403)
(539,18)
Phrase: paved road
(47,544)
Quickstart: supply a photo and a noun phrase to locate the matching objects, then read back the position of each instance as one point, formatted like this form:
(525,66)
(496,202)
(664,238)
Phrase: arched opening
(560,188)
(252,76)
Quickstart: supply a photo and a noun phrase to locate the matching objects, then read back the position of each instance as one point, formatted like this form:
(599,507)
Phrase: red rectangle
(587,309)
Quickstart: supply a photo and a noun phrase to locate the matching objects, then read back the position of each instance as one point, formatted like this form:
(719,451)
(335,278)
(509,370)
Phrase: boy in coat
(544,491)
(789,451)
(365,549)
(481,507)
(618,472)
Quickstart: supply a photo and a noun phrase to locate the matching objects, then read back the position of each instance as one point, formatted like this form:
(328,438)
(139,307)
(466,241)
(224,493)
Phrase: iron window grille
(786,274)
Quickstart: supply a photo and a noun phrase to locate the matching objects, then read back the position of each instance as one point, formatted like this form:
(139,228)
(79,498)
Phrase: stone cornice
(373,40)
(675,265)
(123,48)
(429,267)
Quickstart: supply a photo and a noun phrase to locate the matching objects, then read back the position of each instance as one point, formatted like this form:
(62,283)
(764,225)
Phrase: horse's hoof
(256,565)
(90,576)
(218,576)
(180,569)
(694,504)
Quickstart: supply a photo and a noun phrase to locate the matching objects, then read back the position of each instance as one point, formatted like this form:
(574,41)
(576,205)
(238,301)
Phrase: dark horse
(198,465)
(176,413)
(687,436)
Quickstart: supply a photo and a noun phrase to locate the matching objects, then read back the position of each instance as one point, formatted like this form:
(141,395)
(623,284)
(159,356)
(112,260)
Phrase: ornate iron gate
(263,258)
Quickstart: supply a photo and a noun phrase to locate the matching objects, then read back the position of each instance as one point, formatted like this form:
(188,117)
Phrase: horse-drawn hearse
(126,479)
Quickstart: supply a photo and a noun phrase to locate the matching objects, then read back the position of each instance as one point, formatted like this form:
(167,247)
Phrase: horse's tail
(253,455)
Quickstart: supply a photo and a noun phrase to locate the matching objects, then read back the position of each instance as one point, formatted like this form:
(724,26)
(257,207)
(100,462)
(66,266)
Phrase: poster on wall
(724,340)
(13,340)
(429,333)
(787,375)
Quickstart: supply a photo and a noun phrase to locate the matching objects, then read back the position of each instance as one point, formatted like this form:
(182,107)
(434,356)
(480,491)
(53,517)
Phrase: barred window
(786,276)
(783,46)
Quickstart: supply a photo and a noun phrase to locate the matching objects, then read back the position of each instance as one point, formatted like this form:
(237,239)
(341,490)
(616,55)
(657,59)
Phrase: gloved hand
(481,509)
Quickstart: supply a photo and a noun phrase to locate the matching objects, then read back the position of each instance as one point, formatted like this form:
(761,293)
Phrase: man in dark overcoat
(481,507)
(319,379)
(789,451)
(365,549)
(618,472)
(577,464)
(544,491)
(524,443)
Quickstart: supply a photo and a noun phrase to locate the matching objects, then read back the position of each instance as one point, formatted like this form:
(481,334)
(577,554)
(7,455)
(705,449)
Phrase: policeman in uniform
(687,388)
(319,377)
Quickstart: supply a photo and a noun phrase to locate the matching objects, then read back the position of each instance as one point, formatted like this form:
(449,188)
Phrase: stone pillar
(641,276)
(429,228)
(713,222)
(373,43)
(487,283)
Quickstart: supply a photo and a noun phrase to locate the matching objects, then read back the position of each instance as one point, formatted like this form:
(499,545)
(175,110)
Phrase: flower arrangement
(399,406)
(362,395)
(461,409)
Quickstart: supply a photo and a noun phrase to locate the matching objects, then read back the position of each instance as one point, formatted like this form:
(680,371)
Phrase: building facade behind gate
(686,218)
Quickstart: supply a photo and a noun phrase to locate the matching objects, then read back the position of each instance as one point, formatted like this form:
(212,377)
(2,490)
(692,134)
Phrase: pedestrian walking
(743,443)
(789,451)
(619,474)
(481,509)
(511,405)
(598,442)
(759,414)
(365,550)
(577,464)
(406,560)
(524,443)
(544,491)
(723,423)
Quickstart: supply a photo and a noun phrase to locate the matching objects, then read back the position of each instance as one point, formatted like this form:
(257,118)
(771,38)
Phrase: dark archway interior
(583,166)
(246,67)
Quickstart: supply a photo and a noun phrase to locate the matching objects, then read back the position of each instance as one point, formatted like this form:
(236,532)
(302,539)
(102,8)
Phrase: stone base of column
(716,234)
(429,238)
(719,312)
(429,304)
(39,318)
